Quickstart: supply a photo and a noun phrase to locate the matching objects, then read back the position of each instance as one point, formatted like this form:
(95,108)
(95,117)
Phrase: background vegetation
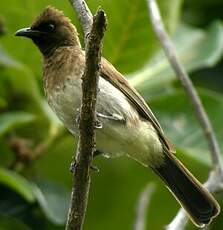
(35,149)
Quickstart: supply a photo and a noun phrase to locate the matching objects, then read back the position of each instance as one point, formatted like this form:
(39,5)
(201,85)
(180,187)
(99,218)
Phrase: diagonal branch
(86,143)
(84,14)
(170,52)
(215,180)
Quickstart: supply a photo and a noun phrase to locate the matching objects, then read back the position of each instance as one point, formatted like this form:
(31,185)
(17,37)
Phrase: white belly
(137,139)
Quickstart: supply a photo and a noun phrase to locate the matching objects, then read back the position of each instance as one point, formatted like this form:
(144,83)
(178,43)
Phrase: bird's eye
(50,27)
(47,27)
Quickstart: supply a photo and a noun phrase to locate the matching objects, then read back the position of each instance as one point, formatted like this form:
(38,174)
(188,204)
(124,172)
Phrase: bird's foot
(98,124)
(93,167)
(74,165)
(96,153)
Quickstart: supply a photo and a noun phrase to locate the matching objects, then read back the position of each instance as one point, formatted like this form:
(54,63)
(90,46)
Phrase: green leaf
(135,31)
(2,103)
(130,41)
(202,12)
(7,61)
(196,49)
(61,152)
(53,200)
(9,223)
(181,126)
(22,68)
(11,120)
(128,24)
(17,183)
(24,82)
(17,16)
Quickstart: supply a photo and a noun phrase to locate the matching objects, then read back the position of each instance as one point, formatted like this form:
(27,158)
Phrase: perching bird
(129,126)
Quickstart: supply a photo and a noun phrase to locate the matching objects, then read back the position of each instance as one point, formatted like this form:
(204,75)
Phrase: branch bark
(86,144)
(84,15)
(142,206)
(215,180)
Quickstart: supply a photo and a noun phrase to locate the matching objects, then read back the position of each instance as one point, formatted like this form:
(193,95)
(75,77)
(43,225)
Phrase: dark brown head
(50,30)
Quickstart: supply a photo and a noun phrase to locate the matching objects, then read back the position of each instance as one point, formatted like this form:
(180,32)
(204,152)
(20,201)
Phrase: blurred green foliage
(35,149)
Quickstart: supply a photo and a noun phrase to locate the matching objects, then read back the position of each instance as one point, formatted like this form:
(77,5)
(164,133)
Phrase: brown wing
(115,78)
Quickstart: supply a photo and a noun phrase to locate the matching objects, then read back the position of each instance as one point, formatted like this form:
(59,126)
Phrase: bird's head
(50,30)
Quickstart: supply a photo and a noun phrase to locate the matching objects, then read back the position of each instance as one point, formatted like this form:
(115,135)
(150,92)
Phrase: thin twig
(170,52)
(142,206)
(179,222)
(86,144)
(215,180)
(84,14)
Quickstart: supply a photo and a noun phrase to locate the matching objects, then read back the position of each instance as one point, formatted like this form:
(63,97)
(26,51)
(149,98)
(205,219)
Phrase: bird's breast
(129,134)
(65,100)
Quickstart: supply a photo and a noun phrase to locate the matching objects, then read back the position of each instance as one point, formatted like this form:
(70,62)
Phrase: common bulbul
(128,125)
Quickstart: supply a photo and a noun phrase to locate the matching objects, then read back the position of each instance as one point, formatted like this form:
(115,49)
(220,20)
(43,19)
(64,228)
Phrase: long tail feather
(193,197)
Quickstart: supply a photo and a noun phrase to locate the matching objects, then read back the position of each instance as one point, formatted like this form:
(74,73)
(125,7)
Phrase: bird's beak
(27,32)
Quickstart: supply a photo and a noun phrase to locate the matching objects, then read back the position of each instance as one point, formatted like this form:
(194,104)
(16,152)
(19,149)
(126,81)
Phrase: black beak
(27,32)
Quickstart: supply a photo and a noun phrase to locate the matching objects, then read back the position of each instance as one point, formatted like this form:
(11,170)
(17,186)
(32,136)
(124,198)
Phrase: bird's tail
(193,197)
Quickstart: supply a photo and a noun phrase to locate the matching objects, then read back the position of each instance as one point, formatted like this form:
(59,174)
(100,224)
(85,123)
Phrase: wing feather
(109,73)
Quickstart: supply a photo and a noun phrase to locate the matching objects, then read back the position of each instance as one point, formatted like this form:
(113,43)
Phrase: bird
(129,127)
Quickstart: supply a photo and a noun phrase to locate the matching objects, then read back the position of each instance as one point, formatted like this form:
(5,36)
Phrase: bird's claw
(98,124)
(96,153)
(73,167)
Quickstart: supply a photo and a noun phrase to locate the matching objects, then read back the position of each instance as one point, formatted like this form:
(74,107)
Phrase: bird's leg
(74,165)
(94,168)
(96,153)
(98,123)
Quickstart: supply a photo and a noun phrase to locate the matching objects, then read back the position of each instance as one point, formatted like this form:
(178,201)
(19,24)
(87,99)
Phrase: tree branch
(84,14)
(86,144)
(142,206)
(215,180)
(170,52)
